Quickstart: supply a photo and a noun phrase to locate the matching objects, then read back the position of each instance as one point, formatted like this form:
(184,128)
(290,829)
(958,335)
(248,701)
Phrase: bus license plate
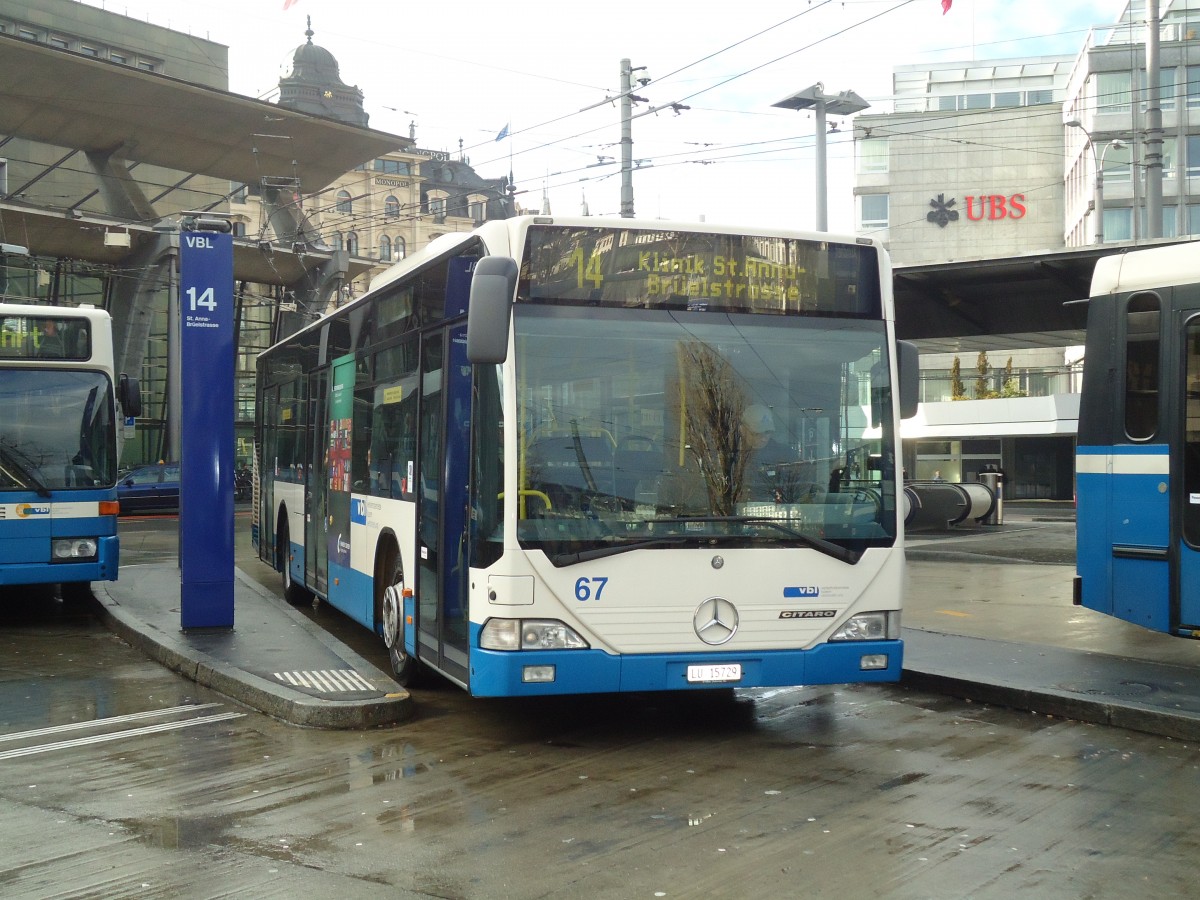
(714,673)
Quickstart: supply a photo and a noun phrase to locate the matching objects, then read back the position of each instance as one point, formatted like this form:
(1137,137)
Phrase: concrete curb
(272,698)
(1180,725)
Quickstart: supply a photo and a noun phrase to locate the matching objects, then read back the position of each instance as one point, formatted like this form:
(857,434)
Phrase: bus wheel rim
(391,615)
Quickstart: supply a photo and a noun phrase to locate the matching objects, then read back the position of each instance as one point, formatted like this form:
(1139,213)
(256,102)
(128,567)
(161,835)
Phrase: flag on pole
(503,132)
(945,6)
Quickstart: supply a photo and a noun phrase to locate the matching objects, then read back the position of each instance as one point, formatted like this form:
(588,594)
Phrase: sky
(549,71)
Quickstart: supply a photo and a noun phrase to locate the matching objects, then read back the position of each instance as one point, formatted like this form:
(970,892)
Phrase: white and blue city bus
(60,408)
(532,458)
(1138,453)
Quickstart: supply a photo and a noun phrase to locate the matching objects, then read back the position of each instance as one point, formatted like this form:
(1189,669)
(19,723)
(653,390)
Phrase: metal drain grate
(331,681)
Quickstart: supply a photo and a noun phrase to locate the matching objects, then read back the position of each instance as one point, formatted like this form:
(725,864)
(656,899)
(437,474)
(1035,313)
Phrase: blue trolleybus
(1138,453)
(60,408)
(578,455)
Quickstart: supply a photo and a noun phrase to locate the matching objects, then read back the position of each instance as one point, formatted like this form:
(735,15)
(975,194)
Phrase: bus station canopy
(89,105)
(1013,302)
(58,97)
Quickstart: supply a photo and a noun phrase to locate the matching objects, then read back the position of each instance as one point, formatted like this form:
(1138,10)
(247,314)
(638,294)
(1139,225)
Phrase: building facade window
(1168,221)
(873,156)
(873,210)
(1192,220)
(339,241)
(1166,88)
(1191,158)
(352,243)
(344,203)
(1118,224)
(391,166)
(385,248)
(1169,159)
(399,248)
(391,208)
(1116,162)
(60,43)
(1193,86)
(1112,92)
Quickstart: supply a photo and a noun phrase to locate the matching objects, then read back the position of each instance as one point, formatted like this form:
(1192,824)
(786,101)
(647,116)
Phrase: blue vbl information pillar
(206,425)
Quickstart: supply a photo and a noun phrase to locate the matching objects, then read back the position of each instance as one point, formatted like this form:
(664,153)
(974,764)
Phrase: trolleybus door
(1124,536)
(442,498)
(1186,473)
(336,484)
(316,485)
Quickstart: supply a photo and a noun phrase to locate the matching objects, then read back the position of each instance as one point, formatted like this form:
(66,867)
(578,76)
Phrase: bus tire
(293,593)
(389,606)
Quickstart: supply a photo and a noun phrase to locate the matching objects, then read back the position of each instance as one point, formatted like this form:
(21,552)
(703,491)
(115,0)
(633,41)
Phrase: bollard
(994,482)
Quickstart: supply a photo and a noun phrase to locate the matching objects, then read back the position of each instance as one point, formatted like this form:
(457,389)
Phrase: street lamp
(1098,162)
(844,104)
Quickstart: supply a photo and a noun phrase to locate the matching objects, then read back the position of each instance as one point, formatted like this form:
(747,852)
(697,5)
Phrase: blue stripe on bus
(498,674)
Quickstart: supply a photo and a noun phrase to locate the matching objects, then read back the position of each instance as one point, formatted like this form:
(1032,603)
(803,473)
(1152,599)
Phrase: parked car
(149,488)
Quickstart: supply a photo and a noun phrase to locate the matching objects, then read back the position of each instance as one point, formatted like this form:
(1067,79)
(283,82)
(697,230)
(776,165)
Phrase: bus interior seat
(555,465)
(635,460)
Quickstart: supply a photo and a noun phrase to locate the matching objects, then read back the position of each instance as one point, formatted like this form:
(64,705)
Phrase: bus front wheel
(390,605)
(293,593)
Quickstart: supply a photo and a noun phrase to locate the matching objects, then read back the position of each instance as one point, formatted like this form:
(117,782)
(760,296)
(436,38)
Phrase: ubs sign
(980,208)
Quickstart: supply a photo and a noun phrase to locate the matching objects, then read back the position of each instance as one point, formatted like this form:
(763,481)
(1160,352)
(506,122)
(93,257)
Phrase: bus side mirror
(908,369)
(129,395)
(492,287)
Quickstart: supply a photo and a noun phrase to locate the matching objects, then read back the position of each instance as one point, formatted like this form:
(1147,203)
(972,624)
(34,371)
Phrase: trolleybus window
(1141,366)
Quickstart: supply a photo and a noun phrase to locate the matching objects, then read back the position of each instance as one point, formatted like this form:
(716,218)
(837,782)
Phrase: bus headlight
(74,548)
(529,634)
(872,626)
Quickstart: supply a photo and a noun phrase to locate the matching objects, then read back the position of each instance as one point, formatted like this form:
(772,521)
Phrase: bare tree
(715,403)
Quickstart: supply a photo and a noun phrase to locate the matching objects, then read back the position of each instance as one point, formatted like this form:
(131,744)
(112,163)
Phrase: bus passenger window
(1141,366)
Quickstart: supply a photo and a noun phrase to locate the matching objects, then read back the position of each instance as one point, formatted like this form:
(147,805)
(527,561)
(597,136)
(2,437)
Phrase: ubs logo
(991,207)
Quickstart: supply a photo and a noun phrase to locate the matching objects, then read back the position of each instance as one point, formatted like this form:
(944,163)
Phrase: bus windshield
(644,428)
(58,430)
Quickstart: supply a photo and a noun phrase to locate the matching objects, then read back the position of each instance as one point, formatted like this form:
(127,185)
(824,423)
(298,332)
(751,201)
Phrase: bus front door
(339,589)
(442,494)
(1186,475)
(316,486)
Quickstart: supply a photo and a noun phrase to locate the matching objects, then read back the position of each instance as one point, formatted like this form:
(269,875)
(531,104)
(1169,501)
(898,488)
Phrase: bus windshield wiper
(22,471)
(828,547)
(566,559)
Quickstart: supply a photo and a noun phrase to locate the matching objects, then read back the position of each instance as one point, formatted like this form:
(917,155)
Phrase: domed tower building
(316,87)
(383,210)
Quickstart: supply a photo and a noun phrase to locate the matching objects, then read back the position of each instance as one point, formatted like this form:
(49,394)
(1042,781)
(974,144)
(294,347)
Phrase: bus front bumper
(34,566)
(508,674)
